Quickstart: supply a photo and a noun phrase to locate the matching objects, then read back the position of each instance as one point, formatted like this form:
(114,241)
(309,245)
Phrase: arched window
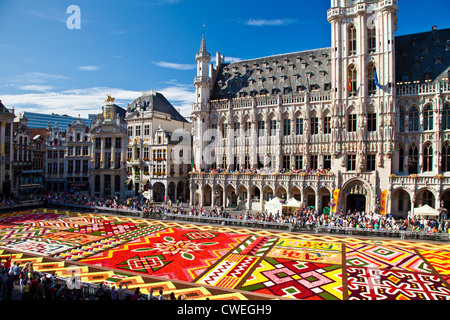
(352,80)
(428,157)
(428,118)
(414,119)
(413,159)
(351,40)
(446,117)
(446,157)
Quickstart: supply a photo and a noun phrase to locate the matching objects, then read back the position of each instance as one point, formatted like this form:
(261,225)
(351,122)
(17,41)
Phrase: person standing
(121,292)
(114,294)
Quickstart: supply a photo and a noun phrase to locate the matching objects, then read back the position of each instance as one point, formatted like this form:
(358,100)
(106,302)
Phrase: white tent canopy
(274,205)
(426,210)
(292,202)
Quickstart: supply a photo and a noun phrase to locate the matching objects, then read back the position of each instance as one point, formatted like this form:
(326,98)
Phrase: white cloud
(176,66)
(35,87)
(71,102)
(88,68)
(90,100)
(38,77)
(267,22)
(181,97)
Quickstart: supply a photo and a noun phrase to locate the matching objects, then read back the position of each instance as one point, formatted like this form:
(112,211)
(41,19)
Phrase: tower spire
(203,44)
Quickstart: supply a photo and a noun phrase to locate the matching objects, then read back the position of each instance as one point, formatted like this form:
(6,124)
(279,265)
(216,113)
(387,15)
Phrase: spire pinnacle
(203,45)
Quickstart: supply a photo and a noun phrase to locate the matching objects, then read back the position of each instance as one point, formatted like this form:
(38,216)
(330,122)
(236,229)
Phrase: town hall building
(361,125)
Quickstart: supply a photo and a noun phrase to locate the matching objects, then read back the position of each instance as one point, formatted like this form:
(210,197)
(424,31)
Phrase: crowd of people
(7,202)
(307,218)
(310,218)
(33,286)
(269,171)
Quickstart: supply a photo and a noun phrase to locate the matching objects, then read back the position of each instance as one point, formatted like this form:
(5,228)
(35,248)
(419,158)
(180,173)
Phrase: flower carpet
(219,262)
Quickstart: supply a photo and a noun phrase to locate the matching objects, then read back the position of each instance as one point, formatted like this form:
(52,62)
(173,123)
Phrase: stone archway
(159,192)
(207,196)
(356,197)
(400,202)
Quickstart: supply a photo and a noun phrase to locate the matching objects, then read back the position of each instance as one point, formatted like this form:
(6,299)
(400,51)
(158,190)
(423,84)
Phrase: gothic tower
(203,86)
(363,77)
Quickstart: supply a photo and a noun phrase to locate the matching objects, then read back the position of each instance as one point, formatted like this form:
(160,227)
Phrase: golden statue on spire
(109,99)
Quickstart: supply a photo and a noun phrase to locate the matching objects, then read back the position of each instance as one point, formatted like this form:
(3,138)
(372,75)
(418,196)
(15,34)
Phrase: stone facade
(6,149)
(154,130)
(308,123)
(108,135)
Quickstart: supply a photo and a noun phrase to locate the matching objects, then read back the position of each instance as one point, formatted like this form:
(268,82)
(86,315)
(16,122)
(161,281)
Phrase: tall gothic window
(401,159)
(413,159)
(327,125)
(446,117)
(352,40)
(298,126)
(261,127)
(402,119)
(428,118)
(446,157)
(352,122)
(287,127)
(273,127)
(372,39)
(414,119)
(352,80)
(428,157)
(314,125)
(372,122)
(224,130)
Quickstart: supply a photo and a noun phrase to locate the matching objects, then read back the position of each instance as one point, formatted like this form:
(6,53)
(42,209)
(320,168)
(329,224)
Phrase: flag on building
(193,163)
(349,83)
(383,202)
(335,200)
(376,77)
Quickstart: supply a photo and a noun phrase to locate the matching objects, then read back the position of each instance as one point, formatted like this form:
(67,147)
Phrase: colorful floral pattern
(224,263)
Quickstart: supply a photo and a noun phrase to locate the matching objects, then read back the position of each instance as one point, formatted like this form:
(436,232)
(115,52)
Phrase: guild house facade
(361,125)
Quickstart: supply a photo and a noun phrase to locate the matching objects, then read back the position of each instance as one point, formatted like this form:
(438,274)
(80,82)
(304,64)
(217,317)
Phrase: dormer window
(287,90)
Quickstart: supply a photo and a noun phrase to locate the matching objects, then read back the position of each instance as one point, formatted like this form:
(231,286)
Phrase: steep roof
(4,110)
(305,70)
(157,102)
(422,55)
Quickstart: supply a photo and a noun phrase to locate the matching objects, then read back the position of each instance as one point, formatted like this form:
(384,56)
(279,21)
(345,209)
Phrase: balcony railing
(285,178)
(416,179)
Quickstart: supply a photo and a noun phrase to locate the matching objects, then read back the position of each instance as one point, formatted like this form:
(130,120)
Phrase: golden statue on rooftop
(109,99)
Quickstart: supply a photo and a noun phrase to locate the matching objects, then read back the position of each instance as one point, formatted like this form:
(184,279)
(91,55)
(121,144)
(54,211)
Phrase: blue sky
(125,47)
